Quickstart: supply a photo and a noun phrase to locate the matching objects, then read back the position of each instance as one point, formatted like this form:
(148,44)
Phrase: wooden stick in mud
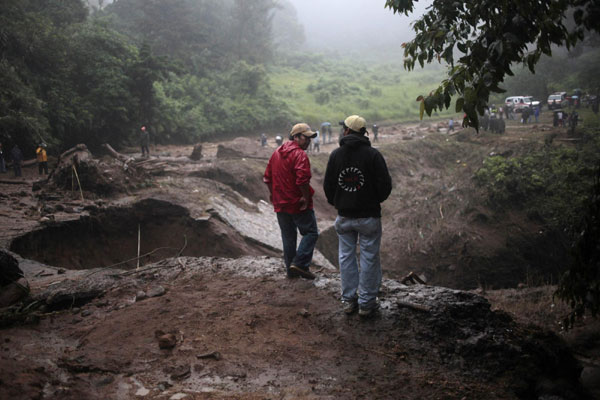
(138,254)
(78,182)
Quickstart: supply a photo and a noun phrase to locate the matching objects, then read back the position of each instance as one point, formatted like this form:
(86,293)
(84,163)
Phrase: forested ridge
(187,69)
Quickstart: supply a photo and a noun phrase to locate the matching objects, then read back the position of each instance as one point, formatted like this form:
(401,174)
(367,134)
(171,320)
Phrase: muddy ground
(209,286)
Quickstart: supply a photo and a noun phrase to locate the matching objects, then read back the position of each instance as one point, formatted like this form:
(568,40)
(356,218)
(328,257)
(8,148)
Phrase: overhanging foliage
(482,40)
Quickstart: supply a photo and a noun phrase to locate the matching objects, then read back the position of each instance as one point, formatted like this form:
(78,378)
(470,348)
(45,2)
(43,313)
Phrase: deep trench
(109,238)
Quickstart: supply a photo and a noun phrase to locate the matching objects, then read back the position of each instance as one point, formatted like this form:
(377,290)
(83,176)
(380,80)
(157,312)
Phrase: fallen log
(116,154)
(15,182)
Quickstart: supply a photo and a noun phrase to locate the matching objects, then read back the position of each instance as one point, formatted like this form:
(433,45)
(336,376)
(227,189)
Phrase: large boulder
(13,286)
(9,269)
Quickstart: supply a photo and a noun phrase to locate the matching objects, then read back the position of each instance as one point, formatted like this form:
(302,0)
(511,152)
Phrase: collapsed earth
(162,278)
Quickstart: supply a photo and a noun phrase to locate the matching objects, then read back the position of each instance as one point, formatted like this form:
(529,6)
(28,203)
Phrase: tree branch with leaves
(481,41)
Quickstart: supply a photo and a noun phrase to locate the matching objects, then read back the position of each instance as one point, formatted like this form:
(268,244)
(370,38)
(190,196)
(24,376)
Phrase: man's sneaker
(349,307)
(367,312)
(305,273)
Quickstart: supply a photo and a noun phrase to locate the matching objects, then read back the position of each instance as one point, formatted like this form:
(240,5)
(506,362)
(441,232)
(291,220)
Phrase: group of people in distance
(16,156)
(356,182)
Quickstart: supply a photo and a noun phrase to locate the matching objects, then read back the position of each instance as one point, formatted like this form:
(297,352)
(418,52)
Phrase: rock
(156,291)
(47,210)
(105,380)
(140,295)
(9,269)
(181,372)
(304,313)
(165,340)
(141,392)
(86,313)
(13,292)
(178,396)
(590,378)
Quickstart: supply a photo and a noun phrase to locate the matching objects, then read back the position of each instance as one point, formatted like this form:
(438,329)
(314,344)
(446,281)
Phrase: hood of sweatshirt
(353,140)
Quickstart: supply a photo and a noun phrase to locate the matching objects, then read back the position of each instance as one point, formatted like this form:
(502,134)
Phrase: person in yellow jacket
(42,158)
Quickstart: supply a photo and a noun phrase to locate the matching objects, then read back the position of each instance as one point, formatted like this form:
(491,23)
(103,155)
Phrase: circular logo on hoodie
(351,179)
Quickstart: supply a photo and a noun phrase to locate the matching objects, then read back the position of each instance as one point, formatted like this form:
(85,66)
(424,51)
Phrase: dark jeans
(43,166)
(290,224)
(145,150)
(17,168)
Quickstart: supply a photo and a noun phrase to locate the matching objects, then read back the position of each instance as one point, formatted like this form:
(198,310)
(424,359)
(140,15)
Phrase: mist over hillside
(355,27)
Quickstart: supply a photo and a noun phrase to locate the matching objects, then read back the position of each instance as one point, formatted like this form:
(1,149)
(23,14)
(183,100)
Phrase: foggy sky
(355,25)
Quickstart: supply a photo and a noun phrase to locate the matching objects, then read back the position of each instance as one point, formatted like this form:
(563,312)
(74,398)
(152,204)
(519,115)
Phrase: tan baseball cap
(355,123)
(303,129)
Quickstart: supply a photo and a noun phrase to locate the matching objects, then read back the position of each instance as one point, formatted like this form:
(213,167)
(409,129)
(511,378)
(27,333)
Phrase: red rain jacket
(288,169)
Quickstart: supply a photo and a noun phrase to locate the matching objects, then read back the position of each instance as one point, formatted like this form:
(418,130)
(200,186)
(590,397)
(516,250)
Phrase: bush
(552,182)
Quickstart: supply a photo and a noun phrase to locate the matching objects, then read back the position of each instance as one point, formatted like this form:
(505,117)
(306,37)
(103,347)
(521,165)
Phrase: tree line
(188,69)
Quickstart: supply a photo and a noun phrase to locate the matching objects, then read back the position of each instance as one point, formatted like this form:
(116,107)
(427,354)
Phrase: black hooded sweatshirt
(357,180)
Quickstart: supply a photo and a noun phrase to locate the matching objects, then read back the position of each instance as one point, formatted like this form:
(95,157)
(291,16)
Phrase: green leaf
(459,104)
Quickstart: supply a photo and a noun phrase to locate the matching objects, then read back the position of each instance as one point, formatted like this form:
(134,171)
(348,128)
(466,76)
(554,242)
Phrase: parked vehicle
(518,103)
(557,100)
(531,102)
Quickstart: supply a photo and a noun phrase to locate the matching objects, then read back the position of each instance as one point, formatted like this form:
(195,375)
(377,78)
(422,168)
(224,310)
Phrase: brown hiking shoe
(305,273)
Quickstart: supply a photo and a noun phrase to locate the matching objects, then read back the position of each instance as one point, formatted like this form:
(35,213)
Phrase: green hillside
(319,90)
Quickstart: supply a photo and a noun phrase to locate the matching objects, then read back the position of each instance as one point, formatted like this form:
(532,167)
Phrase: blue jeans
(363,284)
(290,224)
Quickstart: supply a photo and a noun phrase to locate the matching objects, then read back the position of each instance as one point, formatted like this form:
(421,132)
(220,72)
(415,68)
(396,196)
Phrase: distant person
(573,119)
(278,140)
(559,115)
(145,141)
(555,119)
(316,142)
(263,139)
(288,178)
(326,131)
(42,159)
(525,115)
(375,132)
(450,125)
(2,161)
(341,134)
(17,159)
(536,113)
(356,182)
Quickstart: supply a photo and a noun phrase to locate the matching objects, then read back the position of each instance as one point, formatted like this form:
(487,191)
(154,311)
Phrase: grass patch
(320,90)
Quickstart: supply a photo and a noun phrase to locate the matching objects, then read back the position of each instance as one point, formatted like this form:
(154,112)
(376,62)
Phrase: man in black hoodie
(356,182)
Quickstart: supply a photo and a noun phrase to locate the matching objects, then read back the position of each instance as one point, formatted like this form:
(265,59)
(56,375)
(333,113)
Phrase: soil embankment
(209,314)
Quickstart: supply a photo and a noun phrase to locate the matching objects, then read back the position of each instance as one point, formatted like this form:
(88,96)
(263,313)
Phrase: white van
(518,103)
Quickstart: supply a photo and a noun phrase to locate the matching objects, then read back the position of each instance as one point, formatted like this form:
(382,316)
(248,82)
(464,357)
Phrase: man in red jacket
(288,178)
